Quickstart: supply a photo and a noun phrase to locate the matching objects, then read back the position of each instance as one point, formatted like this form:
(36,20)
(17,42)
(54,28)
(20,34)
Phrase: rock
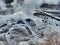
(17,34)
(4,30)
(57,25)
(3,25)
(20,22)
(31,22)
(9,6)
(8,1)
(7,12)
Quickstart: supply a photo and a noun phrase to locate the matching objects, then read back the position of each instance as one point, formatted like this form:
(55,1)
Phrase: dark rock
(6,12)
(8,1)
(9,6)
(3,25)
(28,30)
(45,5)
(31,22)
(56,24)
(5,31)
(28,20)
(20,21)
(12,37)
(3,12)
(8,32)
(13,23)
(44,21)
(42,35)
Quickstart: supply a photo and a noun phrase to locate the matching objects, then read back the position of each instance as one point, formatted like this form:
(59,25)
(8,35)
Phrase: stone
(8,1)
(31,22)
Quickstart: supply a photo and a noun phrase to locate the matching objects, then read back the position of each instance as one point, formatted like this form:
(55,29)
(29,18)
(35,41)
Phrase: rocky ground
(26,24)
